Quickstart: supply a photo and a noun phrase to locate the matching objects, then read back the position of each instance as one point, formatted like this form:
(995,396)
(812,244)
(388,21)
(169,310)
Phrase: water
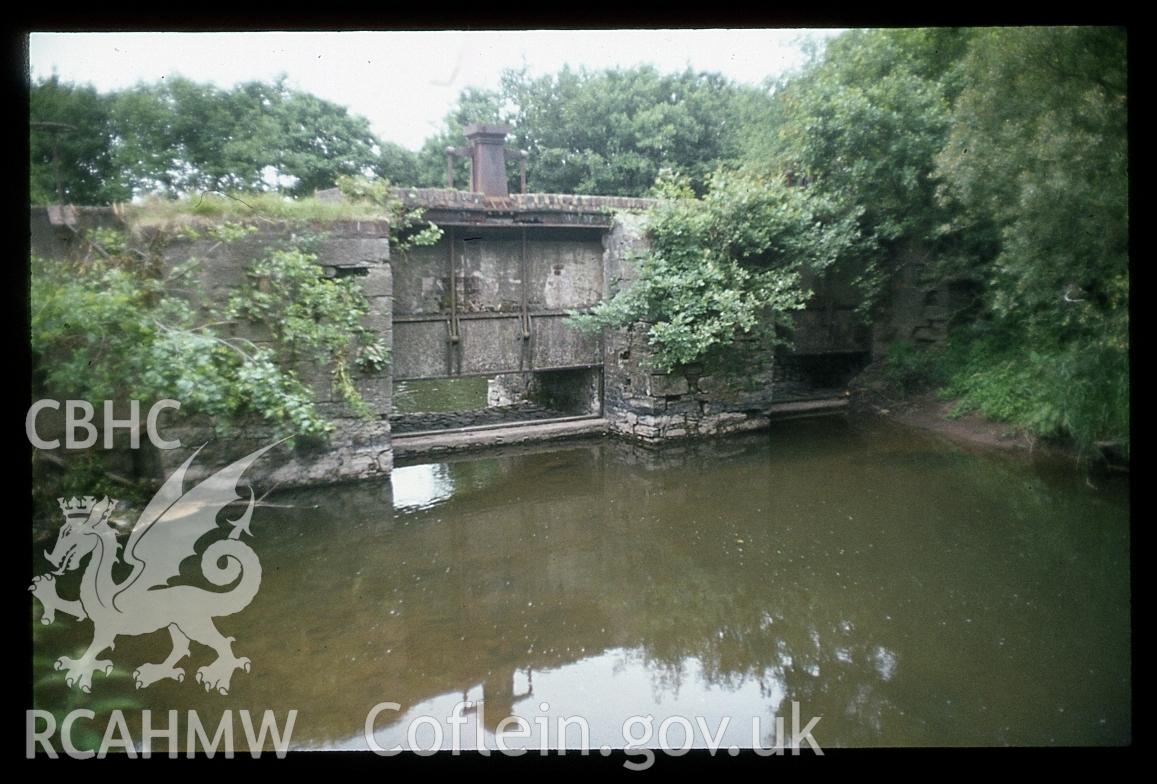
(440,394)
(909,591)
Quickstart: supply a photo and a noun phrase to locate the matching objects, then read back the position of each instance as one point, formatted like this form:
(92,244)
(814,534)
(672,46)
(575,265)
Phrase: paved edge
(513,434)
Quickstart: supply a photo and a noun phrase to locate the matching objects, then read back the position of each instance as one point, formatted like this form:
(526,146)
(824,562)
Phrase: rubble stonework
(651,406)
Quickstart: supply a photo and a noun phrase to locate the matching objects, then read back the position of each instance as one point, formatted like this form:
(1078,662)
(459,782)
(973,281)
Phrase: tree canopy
(1000,153)
(179,135)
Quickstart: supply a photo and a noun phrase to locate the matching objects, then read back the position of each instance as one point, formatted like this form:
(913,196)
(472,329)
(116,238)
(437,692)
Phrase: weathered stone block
(664,385)
(378,281)
(682,406)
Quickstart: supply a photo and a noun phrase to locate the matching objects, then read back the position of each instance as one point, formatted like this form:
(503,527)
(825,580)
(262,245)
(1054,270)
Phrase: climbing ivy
(310,318)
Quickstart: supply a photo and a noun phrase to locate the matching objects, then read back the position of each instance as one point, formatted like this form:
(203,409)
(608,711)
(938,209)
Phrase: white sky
(403,82)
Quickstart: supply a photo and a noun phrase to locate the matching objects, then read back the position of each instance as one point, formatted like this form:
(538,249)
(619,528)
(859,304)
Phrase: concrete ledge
(807,408)
(474,438)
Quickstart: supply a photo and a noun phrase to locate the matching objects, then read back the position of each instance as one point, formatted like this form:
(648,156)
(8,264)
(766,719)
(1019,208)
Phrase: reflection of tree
(738,571)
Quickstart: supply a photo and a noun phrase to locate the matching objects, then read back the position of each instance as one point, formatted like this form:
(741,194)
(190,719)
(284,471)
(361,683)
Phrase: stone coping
(445,198)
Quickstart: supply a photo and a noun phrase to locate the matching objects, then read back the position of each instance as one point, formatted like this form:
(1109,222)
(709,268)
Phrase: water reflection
(420,486)
(972,599)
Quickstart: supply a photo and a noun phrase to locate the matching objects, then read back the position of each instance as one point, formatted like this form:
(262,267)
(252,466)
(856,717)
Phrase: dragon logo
(166,534)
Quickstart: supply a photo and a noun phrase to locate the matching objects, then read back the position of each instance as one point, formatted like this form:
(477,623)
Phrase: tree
(863,125)
(1038,148)
(605,132)
(180,135)
(319,141)
(610,132)
(69,145)
(397,165)
(727,267)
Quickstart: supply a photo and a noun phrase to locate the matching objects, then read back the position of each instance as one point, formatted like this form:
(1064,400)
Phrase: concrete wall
(357,448)
(56,232)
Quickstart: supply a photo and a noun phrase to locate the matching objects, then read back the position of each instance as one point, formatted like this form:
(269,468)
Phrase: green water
(909,591)
(441,394)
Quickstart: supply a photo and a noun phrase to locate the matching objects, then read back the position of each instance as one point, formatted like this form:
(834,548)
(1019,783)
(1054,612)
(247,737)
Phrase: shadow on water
(909,591)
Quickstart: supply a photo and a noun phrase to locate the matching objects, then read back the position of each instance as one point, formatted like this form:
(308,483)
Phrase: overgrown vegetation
(725,268)
(107,327)
(910,369)
(1001,154)
(1057,390)
(114,322)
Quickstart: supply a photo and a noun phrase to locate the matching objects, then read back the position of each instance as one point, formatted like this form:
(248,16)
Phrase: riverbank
(928,411)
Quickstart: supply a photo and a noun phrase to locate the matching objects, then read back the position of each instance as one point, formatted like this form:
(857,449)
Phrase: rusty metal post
(525,272)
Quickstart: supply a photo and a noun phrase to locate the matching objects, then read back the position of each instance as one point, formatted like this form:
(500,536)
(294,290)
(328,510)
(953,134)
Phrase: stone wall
(919,306)
(568,392)
(652,407)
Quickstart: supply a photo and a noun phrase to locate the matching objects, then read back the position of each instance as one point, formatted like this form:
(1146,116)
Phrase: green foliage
(179,136)
(1002,154)
(1054,390)
(609,132)
(911,369)
(1039,147)
(726,268)
(70,145)
(397,164)
(1039,151)
(603,132)
(183,136)
(309,318)
(405,222)
(863,125)
(108,327)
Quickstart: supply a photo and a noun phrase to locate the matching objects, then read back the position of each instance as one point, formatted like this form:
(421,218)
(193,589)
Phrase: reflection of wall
(535,562)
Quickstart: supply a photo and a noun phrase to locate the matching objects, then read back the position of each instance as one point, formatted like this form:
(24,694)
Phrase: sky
(404,83)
